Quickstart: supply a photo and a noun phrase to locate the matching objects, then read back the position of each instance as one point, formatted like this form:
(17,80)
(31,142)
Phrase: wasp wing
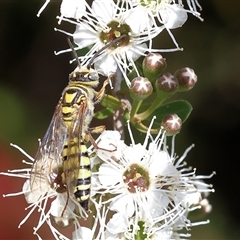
(48,159)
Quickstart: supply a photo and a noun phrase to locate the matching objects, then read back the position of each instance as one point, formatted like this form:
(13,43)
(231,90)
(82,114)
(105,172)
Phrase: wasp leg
(98,129)
(101,92)
(90,138)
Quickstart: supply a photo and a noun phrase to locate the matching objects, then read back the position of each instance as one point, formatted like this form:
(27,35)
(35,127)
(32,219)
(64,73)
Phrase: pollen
(116,30)
(136,178)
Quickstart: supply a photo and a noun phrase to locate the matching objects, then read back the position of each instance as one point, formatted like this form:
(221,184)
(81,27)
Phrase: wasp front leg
(101,92)
(98,129)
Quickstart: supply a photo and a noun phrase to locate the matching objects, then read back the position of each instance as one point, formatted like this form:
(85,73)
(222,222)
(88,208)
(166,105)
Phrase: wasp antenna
(74,52)
(103,48)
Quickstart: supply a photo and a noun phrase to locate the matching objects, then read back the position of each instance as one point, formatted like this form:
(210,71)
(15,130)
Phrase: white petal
(156,203)
(124,205)
(162,165)
(106,65)
(73,8)
(173,16)
(104,10)
(58,206)
(110,146)
(163,235)
(35,190)
(138,19)
(118,223)
(191,198)
(84,35)
(134,154)
(109,138)
(108,176)
(136,51)
(110,236)
(82,233)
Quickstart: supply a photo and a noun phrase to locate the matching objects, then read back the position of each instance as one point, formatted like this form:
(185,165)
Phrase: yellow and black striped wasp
(62,158)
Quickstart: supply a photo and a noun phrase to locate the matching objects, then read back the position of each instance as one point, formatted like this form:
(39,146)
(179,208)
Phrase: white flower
(135,177)
(38,190)
(146,184)
(105,23)
(155,8)
(167,12)
(132,178)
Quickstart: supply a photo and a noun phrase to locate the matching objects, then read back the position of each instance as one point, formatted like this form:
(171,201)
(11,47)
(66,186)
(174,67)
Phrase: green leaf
(108,101)
(104,113)
(180,107)
(111,104)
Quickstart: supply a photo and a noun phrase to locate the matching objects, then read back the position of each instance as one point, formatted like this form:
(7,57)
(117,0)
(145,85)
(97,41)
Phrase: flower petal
(173,16)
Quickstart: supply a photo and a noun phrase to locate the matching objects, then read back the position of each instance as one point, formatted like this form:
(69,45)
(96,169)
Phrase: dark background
(32,79)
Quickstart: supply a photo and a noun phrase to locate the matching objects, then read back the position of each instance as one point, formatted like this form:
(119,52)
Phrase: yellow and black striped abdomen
(83,185)
(77,171)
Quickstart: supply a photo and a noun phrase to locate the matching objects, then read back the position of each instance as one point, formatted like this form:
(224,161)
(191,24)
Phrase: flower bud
(153,65)
(167,85)
(140,88)
(172,124)
(186,78)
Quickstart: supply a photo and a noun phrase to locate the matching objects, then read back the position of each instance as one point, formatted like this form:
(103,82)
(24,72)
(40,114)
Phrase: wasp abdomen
(83,186)
(77,170)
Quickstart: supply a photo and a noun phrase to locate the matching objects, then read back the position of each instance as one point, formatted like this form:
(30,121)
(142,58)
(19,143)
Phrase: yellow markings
(63,145)
(69,97)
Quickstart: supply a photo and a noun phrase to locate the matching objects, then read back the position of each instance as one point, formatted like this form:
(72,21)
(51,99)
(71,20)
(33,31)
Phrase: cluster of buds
(150,91)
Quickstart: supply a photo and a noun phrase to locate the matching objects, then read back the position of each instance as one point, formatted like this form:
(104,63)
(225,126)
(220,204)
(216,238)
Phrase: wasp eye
(93,76)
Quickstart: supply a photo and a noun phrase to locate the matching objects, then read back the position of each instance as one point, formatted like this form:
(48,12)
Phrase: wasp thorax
(116,30)
(136,178)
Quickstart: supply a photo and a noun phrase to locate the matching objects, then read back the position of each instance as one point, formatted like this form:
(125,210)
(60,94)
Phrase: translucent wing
(48,160)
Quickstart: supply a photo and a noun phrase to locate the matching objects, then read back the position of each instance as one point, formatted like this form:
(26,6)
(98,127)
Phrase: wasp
(62,158)
(67,164)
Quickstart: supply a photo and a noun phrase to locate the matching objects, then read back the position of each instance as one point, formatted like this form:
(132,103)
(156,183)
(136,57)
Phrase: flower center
(136,178)
(116,30)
